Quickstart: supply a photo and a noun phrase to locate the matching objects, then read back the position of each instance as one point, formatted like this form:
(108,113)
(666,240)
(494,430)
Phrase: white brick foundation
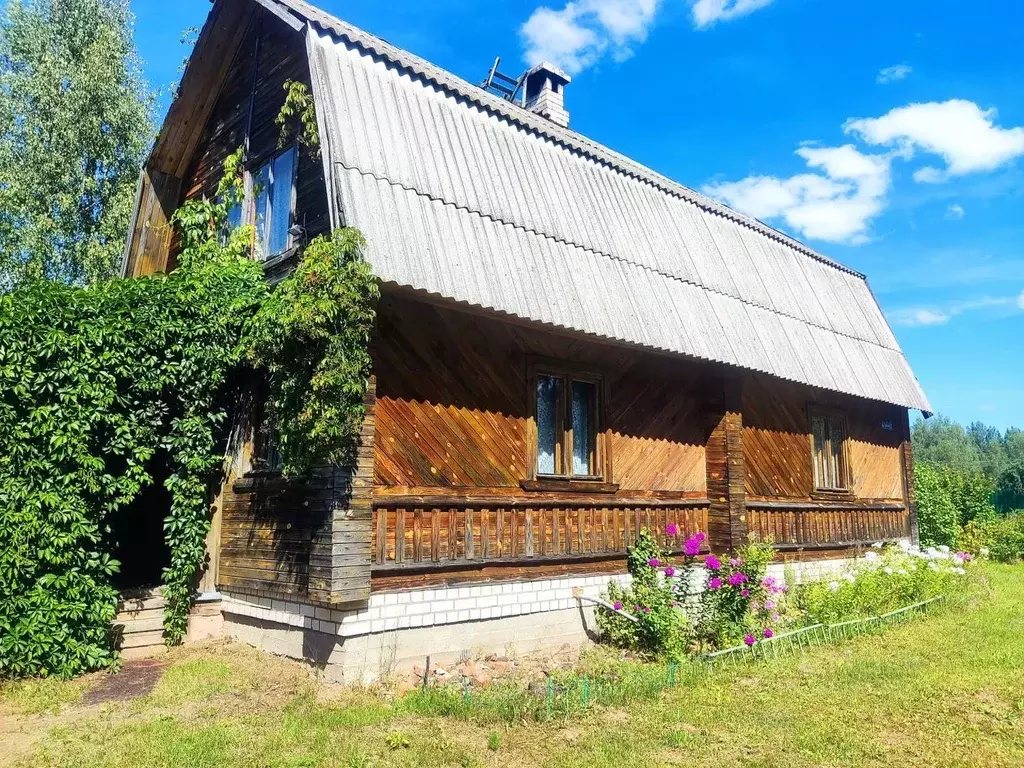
(399,629)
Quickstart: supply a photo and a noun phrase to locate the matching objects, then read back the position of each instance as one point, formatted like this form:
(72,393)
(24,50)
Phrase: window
(828,447)
(566,416)
(273,196)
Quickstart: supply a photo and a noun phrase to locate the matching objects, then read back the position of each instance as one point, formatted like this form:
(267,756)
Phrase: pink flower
(712,563)
(737,578)
(768,633)
(735,562)
(749,640)
(745,593)
(670,571)
(691,547)
(671,529)
(769,605)
(715,583)
(775,617)
(654,562)
(618,605)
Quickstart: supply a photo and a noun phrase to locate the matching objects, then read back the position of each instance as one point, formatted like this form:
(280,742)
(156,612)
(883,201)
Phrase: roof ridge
(555,238)
(573,140)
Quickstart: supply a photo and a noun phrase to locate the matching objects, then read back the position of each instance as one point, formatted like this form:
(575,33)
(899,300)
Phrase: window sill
(567,485)
(825,494)
(280,259)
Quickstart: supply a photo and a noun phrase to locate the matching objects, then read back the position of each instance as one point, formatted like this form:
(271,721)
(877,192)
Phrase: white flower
(904,545)
(850,576)
(870,556)
(833,586)
(877,545)
(944,549)
(959,571)
(888,571)
(933,566)
(903,572)
(983,551)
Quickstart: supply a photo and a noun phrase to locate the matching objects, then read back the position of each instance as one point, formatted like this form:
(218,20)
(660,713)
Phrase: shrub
(937,516)
(1002,539)
(882,581)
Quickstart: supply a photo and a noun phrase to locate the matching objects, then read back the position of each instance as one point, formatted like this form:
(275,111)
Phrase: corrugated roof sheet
(476,200)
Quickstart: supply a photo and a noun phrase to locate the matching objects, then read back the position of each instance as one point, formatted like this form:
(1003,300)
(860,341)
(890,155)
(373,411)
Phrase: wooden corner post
(909,495)
(339,569)
(726,468)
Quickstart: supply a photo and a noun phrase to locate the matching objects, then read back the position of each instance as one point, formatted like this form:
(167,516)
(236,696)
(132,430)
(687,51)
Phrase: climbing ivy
(99,384)
(298,117)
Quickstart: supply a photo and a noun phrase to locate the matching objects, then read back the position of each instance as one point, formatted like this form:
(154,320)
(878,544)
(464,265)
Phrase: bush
(884,581)
(937,517)
(1002,539)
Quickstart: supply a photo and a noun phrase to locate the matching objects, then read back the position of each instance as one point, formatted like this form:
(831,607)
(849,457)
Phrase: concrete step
(143,639)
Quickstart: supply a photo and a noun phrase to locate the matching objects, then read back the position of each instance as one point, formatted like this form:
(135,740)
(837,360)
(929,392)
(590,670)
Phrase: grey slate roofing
(468,197)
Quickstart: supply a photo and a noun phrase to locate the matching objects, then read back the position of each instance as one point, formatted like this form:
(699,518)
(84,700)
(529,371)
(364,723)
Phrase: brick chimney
(545,89)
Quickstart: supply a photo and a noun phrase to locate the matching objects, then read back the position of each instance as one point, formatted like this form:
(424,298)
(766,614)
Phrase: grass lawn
(944,690)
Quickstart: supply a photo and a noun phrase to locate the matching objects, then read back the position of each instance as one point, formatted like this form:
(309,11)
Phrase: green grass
(943,690)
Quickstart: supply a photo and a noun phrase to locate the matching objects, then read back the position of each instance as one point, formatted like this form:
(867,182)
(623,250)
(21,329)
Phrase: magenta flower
(749,640)
(670,571)
(647,609)
(715,583)
(700,536)
(671,529)
(737,578)
(691,547)
(712,563)
(768,633)
(654,562)
(618,605)
(745,593)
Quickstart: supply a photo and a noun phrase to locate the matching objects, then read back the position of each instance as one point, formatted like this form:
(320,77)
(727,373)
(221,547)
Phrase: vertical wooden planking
(382,535)
(400,535)
(417,536)
(470,543)
(529,533)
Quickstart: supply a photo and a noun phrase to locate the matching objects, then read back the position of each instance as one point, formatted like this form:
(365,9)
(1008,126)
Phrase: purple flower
(691,547)
(749,640)
(638,608)
(618,605)
(769,605)
(654,562)
(715,583)
(737,578)
(735,562)
(700,537)
(768,633)
(671,529)
(670,571)
(647,609)
(712,563)
(745,593)
(775,617)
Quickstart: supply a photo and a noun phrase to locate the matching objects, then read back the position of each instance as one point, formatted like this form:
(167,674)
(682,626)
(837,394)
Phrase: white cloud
(894,73)
(918,316)
(835,204)
(707,12)
(959,131)
(955,211)
(579,34)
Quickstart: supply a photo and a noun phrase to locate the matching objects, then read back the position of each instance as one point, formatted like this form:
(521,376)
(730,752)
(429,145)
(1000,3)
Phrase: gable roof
(467,196)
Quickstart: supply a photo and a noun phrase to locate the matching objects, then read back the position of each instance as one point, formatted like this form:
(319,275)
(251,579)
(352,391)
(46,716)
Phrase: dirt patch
(136,678)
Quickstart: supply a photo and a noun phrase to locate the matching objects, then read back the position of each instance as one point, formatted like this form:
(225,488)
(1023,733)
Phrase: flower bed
(672,609)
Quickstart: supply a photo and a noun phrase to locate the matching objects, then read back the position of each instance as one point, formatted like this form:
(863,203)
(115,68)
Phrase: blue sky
(888,135)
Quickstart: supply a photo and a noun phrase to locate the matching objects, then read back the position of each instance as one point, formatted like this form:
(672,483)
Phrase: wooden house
(569,347)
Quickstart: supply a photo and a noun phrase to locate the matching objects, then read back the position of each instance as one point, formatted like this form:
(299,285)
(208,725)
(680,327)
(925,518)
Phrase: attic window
(273,189)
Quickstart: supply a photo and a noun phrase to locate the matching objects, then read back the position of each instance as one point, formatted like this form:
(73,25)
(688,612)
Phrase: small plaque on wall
(887,426)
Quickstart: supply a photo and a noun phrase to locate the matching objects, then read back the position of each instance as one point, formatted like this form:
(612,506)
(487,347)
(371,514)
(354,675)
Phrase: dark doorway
(137,533)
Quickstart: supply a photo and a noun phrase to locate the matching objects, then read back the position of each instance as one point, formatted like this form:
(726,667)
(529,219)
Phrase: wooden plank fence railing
(409,535)
(796,525)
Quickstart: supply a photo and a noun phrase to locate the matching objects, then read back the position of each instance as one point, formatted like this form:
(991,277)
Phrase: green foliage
(656,601)
(882,582)
(738,601)
(1001,539)
(74,127)
(96,385)
(948,499)
(311,338)
(397,740)
(100,384)
(298,118)
(1010,487)
(494,741)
